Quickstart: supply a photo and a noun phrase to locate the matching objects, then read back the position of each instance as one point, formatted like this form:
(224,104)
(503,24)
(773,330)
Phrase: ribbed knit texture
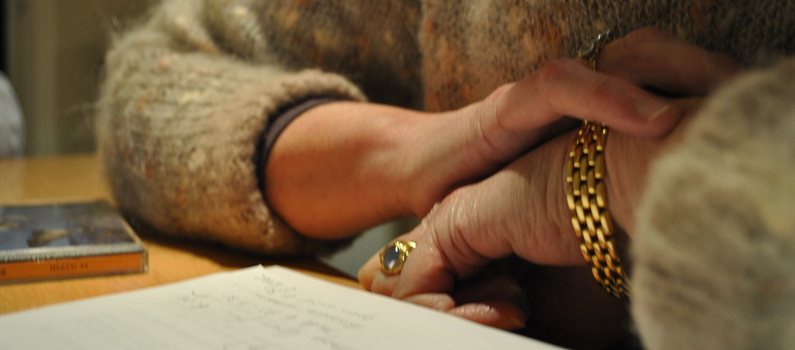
(188,92)
(714,254)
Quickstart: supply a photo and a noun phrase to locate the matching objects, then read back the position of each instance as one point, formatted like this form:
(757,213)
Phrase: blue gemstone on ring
(392,257)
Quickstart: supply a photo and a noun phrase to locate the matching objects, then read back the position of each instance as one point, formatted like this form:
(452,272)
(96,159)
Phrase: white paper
(254,308)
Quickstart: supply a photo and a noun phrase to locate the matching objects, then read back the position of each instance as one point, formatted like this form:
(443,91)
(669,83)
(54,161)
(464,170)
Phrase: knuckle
(433,241)
(554,71)
(548,80)
(495,107)
(450,230)
(602,89)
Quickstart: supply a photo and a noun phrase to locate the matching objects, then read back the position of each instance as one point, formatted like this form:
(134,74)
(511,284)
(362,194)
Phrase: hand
(497,217)
(460,146)
(381,162)
(520,210)
(517,211)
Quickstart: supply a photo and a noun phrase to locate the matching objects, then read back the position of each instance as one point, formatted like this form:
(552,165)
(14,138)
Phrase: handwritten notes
(254,308)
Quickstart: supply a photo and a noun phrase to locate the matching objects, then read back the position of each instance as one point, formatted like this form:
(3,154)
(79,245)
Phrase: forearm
(342,167)
(339,168)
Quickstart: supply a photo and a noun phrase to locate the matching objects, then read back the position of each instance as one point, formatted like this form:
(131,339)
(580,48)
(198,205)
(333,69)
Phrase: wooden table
(78,178)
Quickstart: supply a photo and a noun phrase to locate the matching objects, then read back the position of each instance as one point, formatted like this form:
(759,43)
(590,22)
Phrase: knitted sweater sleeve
(714,254)
(185,97)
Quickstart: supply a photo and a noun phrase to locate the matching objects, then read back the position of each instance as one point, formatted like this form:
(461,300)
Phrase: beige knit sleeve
(714,254)
(185,97)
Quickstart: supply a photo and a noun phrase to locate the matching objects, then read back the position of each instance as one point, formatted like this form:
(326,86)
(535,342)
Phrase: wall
(55,50)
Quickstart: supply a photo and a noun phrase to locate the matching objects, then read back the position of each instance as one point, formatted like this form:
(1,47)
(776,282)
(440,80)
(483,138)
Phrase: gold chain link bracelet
(586,197)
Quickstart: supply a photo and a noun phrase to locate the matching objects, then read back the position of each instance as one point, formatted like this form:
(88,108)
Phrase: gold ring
(394,255)
(592,52)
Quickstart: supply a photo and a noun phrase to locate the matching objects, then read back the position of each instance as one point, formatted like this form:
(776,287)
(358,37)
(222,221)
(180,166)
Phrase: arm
(405,161)
(339,168)
(714,204)
(185,98)
(496,214)
(521,210)
(188,94)
(371,162)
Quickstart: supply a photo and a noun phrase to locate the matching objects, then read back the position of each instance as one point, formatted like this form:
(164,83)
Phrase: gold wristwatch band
(586,197)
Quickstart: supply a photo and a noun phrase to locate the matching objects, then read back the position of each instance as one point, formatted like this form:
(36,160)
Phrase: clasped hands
(500,194)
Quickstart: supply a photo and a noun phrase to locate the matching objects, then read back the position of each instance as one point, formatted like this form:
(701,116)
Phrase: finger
(427,270)
(437,301)
(443,254)
(569,88)
(498,314)
(473,225)
(383,284)
(368,271)
(373,279)
(651,57)
(491,287)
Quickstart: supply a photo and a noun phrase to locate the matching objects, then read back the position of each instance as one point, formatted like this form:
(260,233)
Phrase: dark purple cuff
(279,122)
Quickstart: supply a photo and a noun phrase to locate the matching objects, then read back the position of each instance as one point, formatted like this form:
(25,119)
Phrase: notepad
(253,308)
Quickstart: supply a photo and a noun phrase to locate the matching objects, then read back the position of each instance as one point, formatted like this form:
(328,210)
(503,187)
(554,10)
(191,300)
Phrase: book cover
(66,240)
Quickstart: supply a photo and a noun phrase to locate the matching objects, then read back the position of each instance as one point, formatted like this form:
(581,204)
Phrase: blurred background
(51,57)
(52,52)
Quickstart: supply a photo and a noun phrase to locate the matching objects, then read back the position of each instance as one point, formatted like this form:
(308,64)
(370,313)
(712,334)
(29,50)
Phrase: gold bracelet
(586,197)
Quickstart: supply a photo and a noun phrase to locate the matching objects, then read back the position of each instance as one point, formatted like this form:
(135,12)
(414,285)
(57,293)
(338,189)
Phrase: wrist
(450,149)
(341,155)
(624,168)
(546,219)
(588,201)
(441,151)
(628,160)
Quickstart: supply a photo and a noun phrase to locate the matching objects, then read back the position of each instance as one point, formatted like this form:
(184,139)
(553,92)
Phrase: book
(254,308)
(66,240)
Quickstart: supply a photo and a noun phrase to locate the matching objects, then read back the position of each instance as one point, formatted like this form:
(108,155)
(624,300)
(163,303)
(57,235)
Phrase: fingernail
(652,109)
(513,323)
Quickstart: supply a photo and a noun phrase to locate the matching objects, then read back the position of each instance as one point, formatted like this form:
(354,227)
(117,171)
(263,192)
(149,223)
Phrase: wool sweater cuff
(278,123)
